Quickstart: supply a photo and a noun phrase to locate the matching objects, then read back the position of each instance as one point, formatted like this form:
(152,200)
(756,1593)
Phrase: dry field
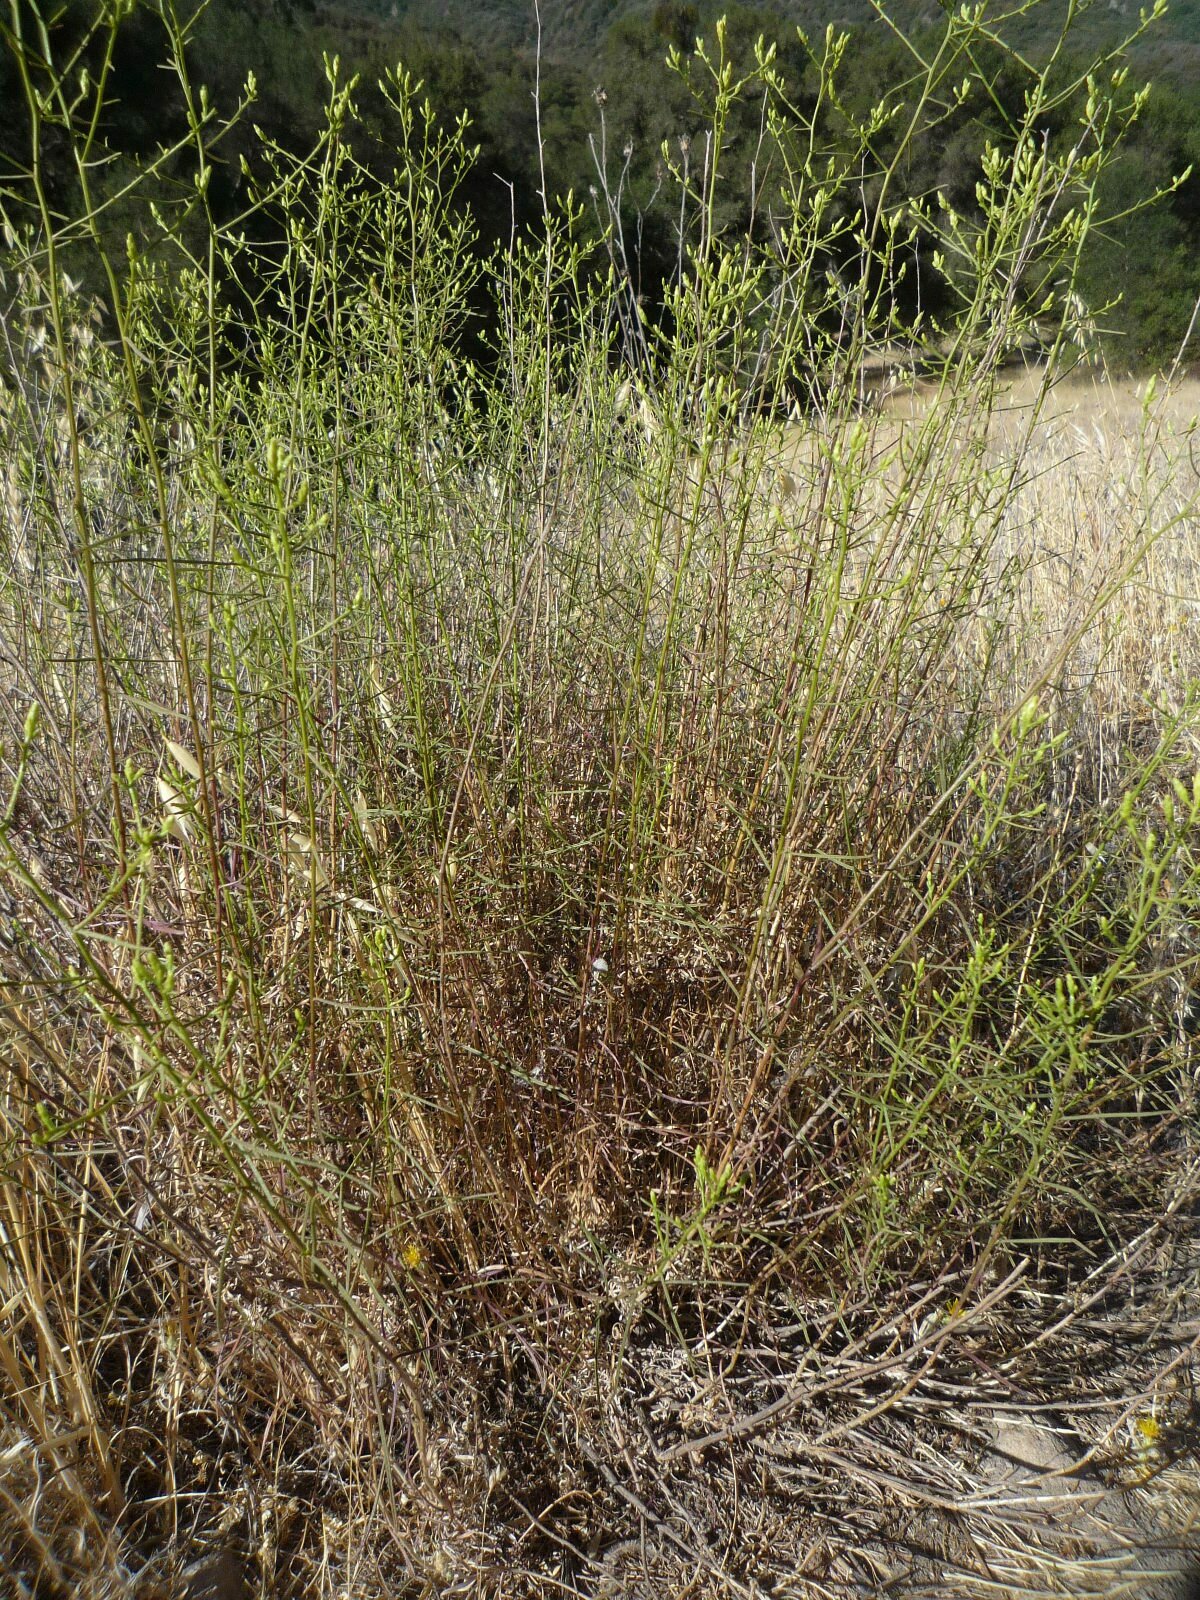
(1091,468)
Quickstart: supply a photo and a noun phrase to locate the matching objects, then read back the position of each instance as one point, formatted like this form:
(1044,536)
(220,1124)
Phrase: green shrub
(483,829)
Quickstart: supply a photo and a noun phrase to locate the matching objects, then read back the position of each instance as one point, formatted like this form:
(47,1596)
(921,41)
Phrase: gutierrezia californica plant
(513,806)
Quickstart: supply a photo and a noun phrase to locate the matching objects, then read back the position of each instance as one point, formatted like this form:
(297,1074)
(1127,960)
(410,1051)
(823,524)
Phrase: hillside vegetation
(609,103)
(575,30)
(599,940)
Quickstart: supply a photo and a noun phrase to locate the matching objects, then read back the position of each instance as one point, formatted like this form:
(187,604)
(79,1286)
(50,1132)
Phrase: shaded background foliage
(609,104)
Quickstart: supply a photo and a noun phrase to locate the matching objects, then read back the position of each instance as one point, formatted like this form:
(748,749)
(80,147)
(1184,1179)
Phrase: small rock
(218,1576)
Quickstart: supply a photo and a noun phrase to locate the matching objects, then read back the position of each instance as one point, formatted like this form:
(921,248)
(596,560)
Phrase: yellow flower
(413,1256)
(1149,1429)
